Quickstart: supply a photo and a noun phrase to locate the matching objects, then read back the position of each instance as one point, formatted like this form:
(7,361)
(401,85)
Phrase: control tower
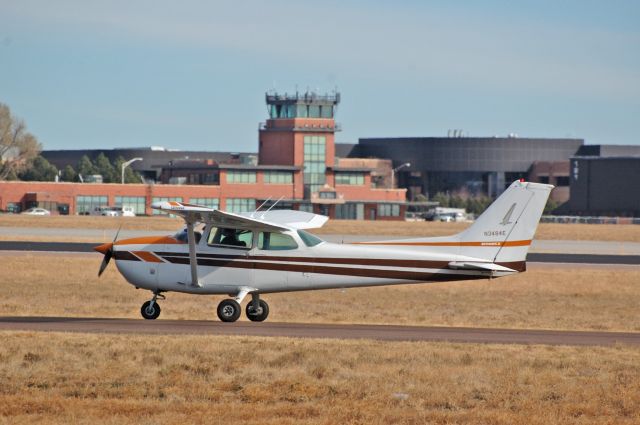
(300,132)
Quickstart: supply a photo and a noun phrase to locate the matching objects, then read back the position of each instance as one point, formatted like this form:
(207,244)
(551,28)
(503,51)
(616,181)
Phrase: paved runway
(532,257)
(312,330)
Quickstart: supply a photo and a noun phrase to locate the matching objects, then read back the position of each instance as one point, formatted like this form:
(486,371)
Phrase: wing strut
(193,260)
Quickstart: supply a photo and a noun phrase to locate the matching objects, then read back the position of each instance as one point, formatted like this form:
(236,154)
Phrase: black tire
(229,310)
(262,313)
(150,312)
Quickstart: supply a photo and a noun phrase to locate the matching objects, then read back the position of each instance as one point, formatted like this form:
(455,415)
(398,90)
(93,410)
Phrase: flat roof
(259,167)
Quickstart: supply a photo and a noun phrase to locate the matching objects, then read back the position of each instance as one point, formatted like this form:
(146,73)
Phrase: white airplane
(269,251)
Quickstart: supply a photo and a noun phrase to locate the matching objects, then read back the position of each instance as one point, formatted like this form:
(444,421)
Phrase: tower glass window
(314,163)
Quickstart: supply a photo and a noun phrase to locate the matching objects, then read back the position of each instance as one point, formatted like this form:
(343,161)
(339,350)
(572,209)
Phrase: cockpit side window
(229,237)
(275,241)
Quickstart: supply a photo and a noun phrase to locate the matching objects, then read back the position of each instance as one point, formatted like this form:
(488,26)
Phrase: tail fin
(503,233)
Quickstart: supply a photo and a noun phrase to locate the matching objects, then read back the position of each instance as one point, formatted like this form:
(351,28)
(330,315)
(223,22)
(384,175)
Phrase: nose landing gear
(150,310)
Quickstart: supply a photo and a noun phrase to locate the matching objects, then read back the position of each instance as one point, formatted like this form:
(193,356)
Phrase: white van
(124,211)
(104,211)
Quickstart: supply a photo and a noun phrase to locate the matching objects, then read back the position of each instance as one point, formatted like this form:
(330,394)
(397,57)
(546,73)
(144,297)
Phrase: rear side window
(275,241)
(309,239)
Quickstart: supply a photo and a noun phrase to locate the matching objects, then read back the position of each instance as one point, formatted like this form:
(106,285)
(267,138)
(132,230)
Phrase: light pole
(126,164)
(393,173)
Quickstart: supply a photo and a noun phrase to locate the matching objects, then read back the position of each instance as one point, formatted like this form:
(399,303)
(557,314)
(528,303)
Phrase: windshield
(309,239)
(182,236)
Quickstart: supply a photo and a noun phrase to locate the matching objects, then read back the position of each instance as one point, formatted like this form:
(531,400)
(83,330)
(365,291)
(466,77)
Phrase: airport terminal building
(299,164)
(296,167)
(477,165)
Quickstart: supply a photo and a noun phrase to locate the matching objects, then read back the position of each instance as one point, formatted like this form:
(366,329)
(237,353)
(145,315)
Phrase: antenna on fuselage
(274,204)
(261,205)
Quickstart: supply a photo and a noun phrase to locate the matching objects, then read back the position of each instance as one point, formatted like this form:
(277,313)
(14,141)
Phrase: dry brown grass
(113,379)
(595,298)
(92,222)
(590,232)
(599,232)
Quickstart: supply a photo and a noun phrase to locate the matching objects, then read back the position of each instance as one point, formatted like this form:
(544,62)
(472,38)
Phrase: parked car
(124,211)
(104,211)
(36,211)
(449,217)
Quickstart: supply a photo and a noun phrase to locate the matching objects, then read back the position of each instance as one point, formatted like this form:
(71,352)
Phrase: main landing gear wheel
(150,310)
(260,315)
(229,310)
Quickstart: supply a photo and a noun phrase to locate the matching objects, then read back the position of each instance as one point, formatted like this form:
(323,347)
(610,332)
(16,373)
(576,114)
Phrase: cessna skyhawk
(263,252)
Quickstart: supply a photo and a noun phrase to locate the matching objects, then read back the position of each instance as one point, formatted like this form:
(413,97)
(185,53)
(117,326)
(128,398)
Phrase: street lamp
(393,172)
(126,164)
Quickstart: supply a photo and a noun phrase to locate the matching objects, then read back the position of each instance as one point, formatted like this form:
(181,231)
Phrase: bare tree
(17,146)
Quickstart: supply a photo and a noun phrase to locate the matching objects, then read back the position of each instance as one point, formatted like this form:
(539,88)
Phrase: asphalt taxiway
(313,330)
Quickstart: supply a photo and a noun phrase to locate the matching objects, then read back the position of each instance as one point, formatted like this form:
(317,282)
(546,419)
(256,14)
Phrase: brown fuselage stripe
(341,271)
(417,264)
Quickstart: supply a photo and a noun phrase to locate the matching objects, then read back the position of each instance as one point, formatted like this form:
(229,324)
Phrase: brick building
(296,166)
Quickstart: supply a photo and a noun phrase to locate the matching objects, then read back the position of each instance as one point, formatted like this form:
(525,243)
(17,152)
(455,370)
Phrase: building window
(306,208)
(206,202)
(314,163)
(238,205)
(241,176)
(562,181)
(543,179)
(138,203)
(350,212)
(210,178)
(303,111)
(350,178)
(14,207)
(278,177)
(388,210)
(326,111)
(165,199)
(314,111)
(86,203)
(327,195)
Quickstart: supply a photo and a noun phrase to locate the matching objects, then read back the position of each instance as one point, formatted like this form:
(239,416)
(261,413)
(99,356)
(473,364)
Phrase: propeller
(107,250)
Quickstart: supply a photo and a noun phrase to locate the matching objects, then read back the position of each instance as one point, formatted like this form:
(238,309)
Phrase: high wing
(277,220)
(266,221)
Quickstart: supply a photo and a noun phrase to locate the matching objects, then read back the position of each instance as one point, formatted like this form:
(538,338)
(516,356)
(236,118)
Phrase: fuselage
(297,262)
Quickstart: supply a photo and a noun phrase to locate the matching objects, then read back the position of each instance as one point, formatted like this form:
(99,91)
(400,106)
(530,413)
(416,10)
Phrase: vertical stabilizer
(503,233)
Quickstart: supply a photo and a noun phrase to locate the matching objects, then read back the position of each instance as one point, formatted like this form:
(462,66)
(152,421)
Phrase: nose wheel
(150,310)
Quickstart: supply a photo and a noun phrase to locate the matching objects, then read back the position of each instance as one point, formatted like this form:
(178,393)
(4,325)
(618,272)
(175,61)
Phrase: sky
(192,75)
